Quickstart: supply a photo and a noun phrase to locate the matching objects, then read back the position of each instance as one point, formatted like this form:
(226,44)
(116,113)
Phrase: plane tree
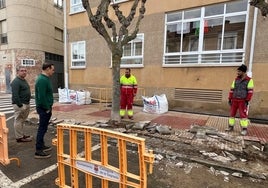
(117,29)
(261,5)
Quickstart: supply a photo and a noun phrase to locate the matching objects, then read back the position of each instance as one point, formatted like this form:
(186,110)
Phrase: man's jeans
(44,117)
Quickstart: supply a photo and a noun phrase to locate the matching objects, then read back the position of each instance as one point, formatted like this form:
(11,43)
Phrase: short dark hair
(20,67)
(243,68)
(47,65)
(128,69)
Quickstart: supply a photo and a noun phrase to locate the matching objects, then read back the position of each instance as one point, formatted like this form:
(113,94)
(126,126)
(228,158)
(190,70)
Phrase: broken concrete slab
(151,128)
(195,128)
(163,129)
(138,126)
(221,159)
(229,155)
(89,123)
(102,121)
(237,174)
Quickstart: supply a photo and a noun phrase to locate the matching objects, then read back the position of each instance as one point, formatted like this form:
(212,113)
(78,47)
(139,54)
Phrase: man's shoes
(24,139)
(46,148)
(41,155)
(26,136)
(122,117)
(244,132)
(229,129)
(130,117)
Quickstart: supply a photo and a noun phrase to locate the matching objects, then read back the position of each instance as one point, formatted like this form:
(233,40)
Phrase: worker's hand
(230,102)
(47,111)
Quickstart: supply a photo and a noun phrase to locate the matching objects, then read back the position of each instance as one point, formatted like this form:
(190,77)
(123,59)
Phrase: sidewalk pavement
(37,173)
(176,120)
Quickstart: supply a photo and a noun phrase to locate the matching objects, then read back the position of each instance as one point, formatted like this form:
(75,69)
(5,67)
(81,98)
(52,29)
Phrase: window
(78,51)
(2,4)
(58,3)
(133,52)
(53,57)
(3,32)
(195,36)
(76,6)
(28,62)
(58,34)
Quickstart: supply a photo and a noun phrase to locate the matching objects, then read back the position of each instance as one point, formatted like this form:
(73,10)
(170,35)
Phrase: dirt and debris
(199,157)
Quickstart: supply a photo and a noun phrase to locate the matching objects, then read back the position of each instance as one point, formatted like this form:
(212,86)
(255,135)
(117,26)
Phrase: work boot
(230,128)
(41,155)
(244,132)
(130,117)
(24,139)
(46,148)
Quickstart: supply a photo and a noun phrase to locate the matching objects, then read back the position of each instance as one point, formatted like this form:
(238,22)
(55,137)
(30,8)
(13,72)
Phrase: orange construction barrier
(106,158)
(4,143)
(104,95)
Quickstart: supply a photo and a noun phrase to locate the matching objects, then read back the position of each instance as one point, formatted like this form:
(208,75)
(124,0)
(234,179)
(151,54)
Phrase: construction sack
(157,104)
(82,97)
(64,95)
(71,96)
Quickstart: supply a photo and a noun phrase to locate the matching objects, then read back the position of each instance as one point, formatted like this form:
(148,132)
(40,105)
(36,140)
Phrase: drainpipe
(252,42)
(66,76)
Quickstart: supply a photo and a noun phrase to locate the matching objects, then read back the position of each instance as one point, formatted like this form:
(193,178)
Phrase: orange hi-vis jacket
(128,85)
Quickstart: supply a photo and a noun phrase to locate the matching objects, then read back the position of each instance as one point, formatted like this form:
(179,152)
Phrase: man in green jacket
(44,102)
(21,95)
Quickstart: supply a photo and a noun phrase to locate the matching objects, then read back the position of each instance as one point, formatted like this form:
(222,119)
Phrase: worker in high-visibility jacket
(128,89)
(239,96)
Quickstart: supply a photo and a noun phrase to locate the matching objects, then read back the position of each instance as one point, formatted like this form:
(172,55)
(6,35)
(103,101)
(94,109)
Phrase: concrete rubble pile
(196,135)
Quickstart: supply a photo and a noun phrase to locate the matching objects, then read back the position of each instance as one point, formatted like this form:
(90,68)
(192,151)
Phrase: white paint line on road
(35,176)
(7,183)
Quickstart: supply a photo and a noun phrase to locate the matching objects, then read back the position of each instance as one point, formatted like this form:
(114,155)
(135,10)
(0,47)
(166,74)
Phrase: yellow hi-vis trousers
(243,122)
(122,112)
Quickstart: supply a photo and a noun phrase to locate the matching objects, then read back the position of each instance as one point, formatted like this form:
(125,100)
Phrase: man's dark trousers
(44,118)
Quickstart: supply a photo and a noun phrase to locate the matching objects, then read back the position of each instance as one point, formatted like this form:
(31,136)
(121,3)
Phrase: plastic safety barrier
(4,159)
(94,157)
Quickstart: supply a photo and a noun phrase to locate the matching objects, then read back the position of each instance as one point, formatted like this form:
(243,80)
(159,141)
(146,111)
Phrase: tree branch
(126,21)
(96,20)
(136,30)
(261,5)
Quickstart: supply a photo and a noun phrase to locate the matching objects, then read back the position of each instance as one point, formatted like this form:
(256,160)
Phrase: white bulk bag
(64,95)
(82,97)
(157,104)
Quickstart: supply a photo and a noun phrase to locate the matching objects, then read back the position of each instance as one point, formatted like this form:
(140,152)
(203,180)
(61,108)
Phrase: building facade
(189,50)
(31,33)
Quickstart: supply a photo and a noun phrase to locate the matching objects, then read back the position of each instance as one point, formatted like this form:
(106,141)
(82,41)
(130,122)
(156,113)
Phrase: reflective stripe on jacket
(128,85)
(242,89)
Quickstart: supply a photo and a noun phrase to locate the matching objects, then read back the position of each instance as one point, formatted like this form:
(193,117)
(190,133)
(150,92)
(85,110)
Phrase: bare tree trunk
(102,23)
(116,88)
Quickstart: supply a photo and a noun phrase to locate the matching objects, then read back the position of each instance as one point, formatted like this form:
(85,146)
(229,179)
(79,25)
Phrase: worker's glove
(230,102)
(246,103)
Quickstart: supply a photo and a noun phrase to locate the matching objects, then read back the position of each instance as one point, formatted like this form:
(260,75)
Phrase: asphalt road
(42,173)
